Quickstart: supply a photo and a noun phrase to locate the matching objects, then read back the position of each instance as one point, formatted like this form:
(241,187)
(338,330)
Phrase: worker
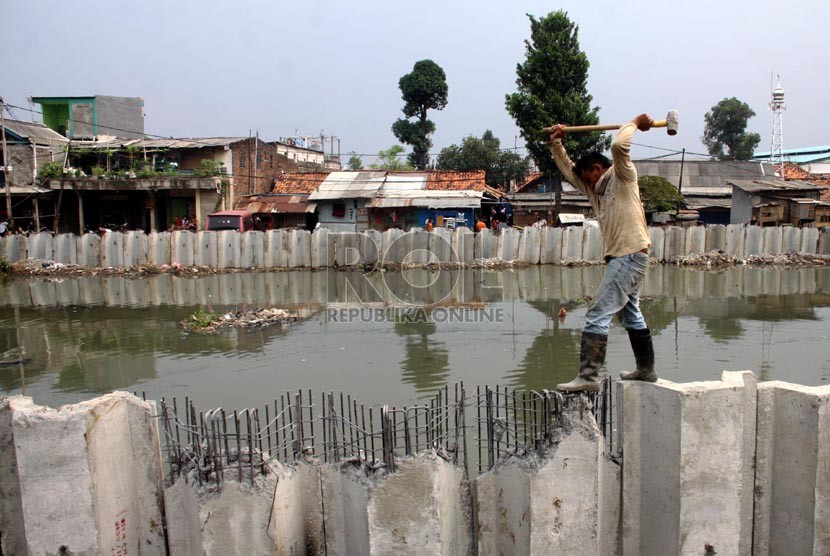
(614,194)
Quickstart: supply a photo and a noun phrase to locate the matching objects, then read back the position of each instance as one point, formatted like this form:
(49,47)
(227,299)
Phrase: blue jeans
(619,291)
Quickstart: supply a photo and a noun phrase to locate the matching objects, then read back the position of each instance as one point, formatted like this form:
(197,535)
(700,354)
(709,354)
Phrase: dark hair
(587,161)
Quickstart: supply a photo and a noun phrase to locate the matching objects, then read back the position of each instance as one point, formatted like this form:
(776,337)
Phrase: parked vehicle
(239,220)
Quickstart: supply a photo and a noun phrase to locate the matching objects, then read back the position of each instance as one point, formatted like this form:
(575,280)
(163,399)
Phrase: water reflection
(90,335)
(426,361)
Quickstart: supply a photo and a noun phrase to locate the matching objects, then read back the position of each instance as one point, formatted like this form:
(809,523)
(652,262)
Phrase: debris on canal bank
(207,322)
(712,259)
(718,259)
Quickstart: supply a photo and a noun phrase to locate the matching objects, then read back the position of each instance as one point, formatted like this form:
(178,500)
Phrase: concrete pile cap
(729,379)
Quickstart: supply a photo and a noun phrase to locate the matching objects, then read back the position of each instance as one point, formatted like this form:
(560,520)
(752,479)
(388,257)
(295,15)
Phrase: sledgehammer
(670,123)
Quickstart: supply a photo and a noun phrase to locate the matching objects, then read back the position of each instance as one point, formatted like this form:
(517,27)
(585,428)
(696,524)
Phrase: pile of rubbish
(43,267)
(202,322)
(715,259)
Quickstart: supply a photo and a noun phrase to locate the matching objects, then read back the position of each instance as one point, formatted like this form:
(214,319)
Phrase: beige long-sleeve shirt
(618,208)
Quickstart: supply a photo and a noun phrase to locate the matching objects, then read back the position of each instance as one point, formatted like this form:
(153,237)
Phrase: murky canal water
(86,336)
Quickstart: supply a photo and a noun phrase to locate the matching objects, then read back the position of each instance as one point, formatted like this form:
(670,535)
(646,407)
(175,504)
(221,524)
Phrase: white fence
(322,249)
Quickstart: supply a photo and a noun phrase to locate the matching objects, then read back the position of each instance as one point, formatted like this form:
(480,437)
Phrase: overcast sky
(208,69)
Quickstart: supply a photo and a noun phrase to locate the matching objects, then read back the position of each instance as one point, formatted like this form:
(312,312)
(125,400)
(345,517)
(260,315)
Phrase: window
(338,210)
(242,156)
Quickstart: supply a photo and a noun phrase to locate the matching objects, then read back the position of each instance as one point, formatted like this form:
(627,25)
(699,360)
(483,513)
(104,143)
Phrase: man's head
(592,166)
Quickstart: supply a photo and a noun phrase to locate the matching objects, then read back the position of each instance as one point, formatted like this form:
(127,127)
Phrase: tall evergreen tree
(424,88)
(552,88)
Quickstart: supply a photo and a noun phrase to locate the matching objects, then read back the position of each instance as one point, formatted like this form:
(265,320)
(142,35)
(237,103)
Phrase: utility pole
(6,175)
(680,181)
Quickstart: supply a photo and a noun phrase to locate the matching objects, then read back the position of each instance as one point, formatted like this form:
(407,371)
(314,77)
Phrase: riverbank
(713,259)
(230,251)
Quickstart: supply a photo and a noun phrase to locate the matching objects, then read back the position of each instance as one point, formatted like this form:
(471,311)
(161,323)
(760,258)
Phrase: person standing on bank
(614,194)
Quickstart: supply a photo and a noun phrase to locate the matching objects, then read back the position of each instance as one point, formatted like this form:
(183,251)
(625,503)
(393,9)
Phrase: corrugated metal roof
(400,181)
(430,199)
(36,133)
(772,184)
(349,185)
(184,143)
(802,155)
(280,204)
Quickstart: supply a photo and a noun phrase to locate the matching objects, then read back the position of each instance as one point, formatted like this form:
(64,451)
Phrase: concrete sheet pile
(716,238)
(85,479)
(551,501)
(347,508)
(463,246)
(296,248)
(486,245)
(792,476)
(688,452)
(66,249)
(551,250)
(207,249)
(159,245)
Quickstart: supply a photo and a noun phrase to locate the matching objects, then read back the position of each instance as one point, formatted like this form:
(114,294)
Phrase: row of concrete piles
(322,249)
(720,467)
(283,289)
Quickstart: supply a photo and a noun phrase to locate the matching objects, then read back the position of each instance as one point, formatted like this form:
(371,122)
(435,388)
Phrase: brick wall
(255,165)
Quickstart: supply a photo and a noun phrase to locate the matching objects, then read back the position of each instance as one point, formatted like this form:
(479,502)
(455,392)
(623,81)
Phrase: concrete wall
(124,113)
(300,249)
(717,467)
(86,477)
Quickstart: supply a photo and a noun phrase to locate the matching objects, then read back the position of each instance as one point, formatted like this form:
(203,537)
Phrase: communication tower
(777,105)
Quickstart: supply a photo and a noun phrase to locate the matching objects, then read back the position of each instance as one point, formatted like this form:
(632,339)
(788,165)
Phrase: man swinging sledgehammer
(614,194)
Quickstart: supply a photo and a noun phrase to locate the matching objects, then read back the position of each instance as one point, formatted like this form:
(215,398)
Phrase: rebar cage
(499,422)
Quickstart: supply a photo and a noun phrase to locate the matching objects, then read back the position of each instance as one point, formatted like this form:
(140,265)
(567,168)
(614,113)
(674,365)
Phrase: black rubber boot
(643,354)
(591,358)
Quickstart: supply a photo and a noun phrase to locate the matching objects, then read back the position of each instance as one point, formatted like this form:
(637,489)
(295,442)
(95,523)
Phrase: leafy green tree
(355,162)
(658,194)
(390,160)
(425,88)
(500,166)
(726,129)
(552,88)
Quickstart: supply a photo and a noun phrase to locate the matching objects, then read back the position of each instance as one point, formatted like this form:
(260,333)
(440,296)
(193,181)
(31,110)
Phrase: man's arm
(621,147)
(564,162)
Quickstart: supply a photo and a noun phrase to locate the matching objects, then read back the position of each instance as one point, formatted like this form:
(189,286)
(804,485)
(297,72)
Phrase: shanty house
(408,199)
(287,204)
(704,185)
(341,199)
(379,200)
(150,184)
(30,147)
(773,201)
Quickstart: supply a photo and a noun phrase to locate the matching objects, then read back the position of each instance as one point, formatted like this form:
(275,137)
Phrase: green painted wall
(55,117)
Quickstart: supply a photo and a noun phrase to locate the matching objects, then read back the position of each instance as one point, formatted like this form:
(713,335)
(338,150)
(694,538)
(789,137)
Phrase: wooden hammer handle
(603,127)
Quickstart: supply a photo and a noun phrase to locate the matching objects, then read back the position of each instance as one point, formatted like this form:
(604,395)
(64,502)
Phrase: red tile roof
(300,183)
(456,181)
(796,172)
(529,181)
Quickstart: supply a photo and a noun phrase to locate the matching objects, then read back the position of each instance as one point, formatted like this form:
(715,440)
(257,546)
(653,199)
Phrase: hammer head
(671,122)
